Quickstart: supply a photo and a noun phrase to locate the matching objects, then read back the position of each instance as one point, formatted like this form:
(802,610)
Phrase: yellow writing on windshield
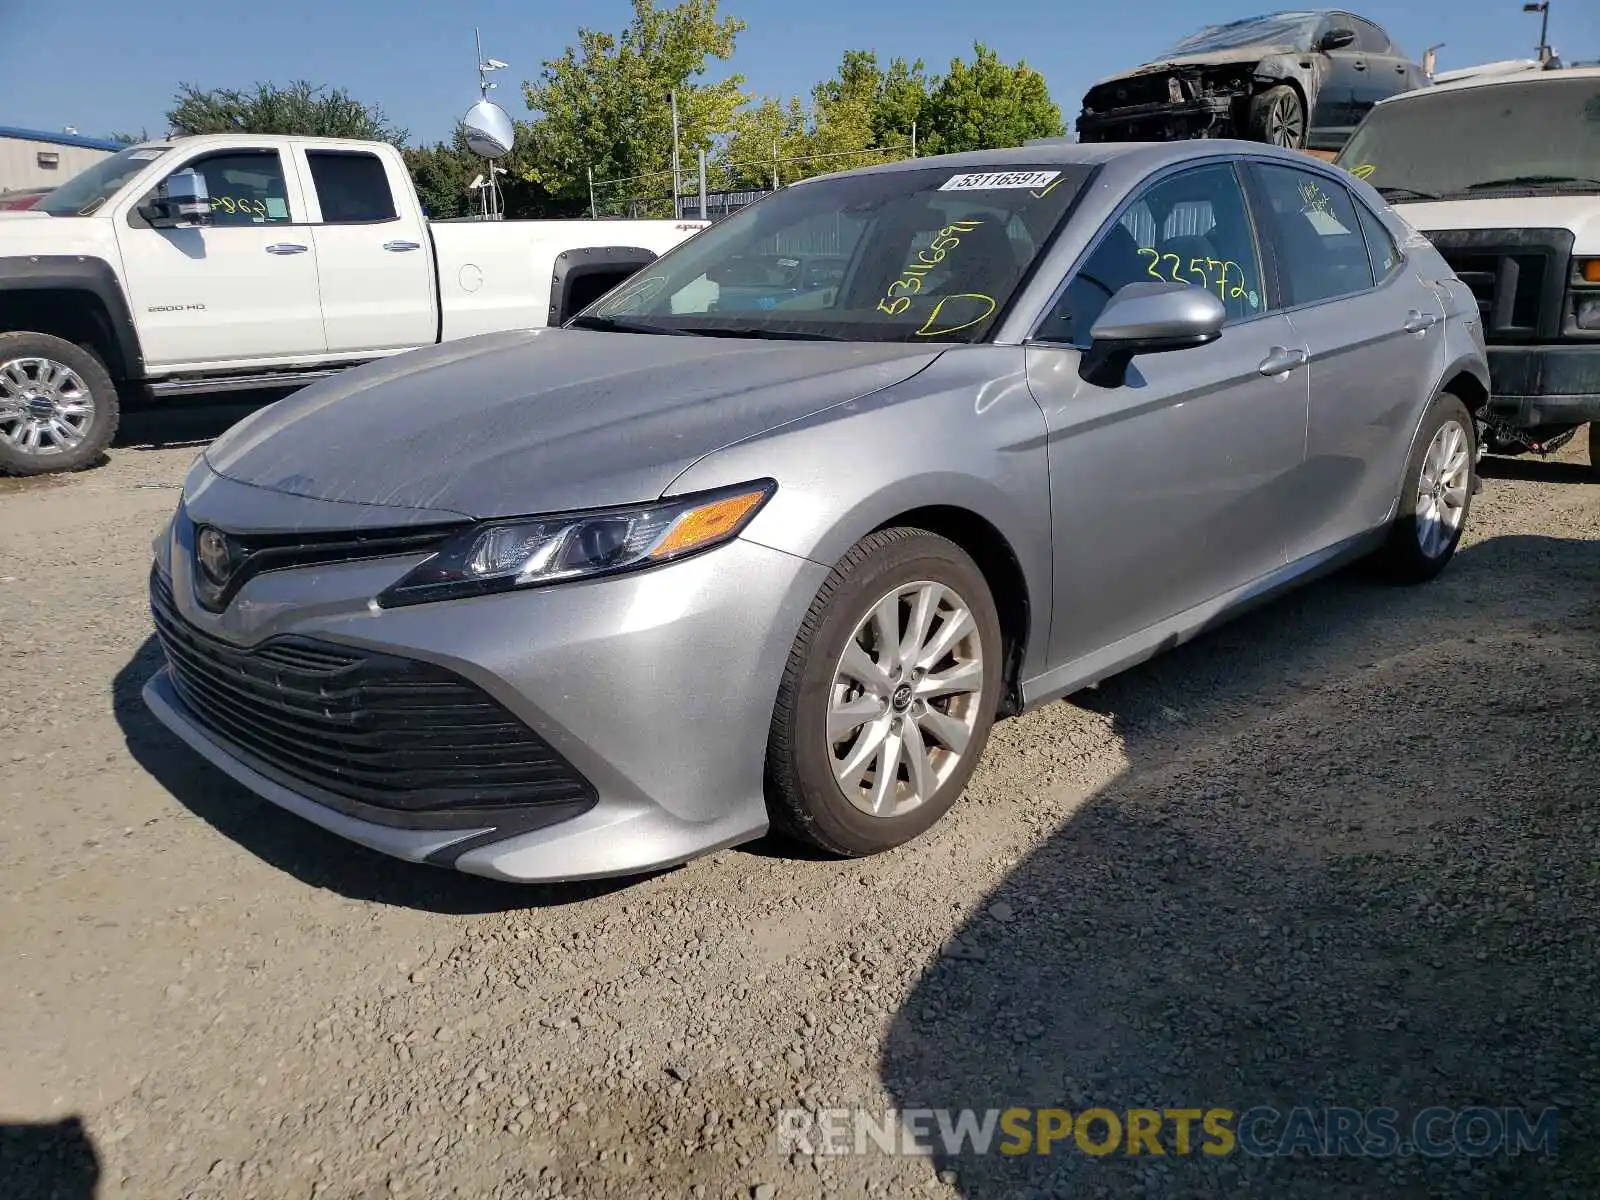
(1209,273)
(964,313)
(1363,170)
(898,297)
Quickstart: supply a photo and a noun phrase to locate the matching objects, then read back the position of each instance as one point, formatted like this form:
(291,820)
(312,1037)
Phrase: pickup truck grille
(375,729)
(1517,275)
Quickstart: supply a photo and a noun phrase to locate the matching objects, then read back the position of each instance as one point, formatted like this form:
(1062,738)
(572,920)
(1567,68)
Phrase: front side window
(922,254)
(1369,37)
(246,188)
(1321,249)
(1190,228)
(352,187)
(1522,138)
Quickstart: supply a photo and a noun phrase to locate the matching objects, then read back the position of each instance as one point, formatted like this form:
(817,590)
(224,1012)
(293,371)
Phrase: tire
(805,797)
(83,400)
(1594,451)
(1278,118)
(1418,549)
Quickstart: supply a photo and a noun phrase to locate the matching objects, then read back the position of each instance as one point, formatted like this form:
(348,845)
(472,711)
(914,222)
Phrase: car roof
(1533,74)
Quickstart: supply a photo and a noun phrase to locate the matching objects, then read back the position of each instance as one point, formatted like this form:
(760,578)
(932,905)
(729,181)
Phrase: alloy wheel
(904,702)
(1285,125)
(1442,488)
(45,407)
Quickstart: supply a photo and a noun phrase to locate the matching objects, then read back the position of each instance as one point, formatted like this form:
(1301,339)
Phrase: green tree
(604,104)
(300,109)
(987,104)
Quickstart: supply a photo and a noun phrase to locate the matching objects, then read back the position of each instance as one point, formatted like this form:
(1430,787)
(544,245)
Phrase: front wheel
(888,697)
(58,406)
(1278,118)
(1440,477)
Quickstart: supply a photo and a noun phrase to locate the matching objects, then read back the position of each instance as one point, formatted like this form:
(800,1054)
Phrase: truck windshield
(1537,135)
(917,254)
(1293,29)
(85,192)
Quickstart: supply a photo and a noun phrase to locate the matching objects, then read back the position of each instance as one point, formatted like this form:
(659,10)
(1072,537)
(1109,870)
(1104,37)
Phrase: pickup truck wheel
(889,694)
(1437,496)
(1278,118)
(58,406)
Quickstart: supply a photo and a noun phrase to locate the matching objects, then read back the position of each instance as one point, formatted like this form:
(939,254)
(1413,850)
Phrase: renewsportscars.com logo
(1261,1132)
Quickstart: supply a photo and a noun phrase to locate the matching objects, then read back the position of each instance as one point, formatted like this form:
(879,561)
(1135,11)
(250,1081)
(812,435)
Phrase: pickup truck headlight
(498,556)
(1588,314)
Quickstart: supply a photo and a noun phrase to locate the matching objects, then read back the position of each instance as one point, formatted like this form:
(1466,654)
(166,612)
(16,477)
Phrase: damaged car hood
(543,420)
(1216,58)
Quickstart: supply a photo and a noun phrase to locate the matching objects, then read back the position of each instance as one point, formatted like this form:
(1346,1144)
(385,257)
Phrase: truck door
(374,257)
(241,290)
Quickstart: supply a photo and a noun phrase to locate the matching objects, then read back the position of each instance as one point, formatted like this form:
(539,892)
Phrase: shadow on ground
(1380,890)
(53,1160)
(1535,470)
(298,847)
(188,420)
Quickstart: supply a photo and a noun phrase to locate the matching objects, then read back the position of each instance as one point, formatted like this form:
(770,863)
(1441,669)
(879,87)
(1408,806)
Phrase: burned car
(1302,80)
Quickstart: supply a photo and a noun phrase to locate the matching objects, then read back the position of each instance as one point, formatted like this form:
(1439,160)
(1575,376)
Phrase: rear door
(373,257)
(242,289)
(1175,488)
(1373,331)
(1387,70)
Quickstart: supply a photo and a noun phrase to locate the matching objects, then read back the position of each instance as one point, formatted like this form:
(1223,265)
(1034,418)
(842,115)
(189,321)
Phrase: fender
(1464,365)
(572,265)
(77,273)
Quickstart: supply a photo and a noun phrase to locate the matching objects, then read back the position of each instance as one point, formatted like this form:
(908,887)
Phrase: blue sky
(106,65)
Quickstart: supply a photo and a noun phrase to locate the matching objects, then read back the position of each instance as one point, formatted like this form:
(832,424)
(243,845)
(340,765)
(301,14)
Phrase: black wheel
(1278,117)
(1594,451)
(887,701)
(1435,497)
(58,406)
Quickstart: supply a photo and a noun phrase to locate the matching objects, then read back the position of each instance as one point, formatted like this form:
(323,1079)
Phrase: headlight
(498,556)
(1588,313)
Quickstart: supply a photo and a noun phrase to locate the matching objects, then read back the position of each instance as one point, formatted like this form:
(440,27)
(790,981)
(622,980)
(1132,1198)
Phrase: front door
(1333,116)
(1373,331)
(243,288)
(1173,489)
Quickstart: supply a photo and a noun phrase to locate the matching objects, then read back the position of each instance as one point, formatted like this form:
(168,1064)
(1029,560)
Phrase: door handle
(1280,361)
(1400,70)
(1359,65)
(1416,321)
(399,247)
(287,248)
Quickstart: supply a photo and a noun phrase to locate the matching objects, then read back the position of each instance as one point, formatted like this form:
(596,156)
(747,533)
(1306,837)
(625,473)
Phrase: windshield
(1277,29)
(84,193)
(926,254)
(1530,136)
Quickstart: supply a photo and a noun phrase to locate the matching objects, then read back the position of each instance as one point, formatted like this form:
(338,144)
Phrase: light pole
(1543,8)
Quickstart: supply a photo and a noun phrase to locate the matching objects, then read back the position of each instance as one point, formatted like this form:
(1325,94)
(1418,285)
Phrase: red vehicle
(22,198)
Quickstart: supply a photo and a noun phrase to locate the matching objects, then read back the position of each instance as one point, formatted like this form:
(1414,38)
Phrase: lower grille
(375,729)
(1518,277)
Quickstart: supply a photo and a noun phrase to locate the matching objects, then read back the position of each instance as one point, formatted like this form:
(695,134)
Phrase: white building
(31,158)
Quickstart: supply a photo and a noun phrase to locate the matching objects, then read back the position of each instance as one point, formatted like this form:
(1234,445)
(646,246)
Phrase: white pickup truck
(237,262)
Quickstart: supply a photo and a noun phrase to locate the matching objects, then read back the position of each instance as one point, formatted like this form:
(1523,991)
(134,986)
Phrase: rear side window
(1381,250)
(1369,37)
(352,187)
(1321,251)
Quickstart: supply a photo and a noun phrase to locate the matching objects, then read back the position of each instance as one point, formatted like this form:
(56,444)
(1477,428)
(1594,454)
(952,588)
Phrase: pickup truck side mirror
(181,202)
(1336,39)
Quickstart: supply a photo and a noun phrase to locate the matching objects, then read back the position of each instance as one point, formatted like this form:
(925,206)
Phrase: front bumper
(1158,122)
(657,687)
(1538,386)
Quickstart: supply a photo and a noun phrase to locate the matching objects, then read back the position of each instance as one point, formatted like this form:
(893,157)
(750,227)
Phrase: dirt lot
(1341,852)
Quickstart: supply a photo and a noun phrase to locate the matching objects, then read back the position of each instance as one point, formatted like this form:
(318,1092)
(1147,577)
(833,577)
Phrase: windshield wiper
(1390,192)
(623,325)
(1530,181)
(783,335)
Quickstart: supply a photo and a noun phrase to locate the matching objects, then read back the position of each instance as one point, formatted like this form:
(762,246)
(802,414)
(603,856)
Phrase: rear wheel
(1437,495)
(1278,117)
(58,406)
(887,701)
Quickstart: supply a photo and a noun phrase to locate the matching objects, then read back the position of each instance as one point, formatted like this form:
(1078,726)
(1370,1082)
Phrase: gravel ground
(1340,852)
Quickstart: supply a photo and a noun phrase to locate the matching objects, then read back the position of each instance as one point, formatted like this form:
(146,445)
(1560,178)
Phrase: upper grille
(1517,276)
(375,729)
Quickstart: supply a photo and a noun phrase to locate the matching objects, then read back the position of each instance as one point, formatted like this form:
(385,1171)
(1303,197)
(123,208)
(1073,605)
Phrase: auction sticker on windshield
(996,180)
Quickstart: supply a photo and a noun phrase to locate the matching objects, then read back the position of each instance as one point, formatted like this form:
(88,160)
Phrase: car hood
(1576,212)
(1214,58)
(543,420)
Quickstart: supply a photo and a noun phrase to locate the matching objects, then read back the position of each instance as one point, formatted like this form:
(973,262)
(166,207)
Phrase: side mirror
(1336,39)
(1149,318)
(180,202)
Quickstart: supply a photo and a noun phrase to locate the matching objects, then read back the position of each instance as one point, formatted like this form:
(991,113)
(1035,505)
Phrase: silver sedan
(597,599)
